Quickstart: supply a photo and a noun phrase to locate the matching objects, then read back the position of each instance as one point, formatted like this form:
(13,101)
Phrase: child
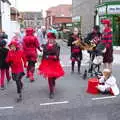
(16,58)
(107,83)
(4,67)
(50,65)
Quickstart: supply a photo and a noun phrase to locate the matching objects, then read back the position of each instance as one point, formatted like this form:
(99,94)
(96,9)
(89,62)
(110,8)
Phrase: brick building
(86,11)
(32,19)
(59,15)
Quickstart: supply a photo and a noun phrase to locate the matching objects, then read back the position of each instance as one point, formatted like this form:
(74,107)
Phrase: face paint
(12,47)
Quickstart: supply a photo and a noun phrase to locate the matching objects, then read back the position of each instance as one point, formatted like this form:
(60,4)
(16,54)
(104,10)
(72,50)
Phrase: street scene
(59,60)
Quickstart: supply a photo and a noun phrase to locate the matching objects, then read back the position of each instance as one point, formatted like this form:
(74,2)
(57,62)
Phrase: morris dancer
(30,46)
(50,65)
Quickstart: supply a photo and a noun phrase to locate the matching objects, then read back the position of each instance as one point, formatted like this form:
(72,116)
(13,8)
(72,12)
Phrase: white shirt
(109,83)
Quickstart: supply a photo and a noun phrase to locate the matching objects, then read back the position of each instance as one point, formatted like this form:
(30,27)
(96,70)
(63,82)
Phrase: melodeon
(84,46)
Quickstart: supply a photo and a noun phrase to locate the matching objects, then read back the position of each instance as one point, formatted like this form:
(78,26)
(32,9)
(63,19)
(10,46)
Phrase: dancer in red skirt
(50,65)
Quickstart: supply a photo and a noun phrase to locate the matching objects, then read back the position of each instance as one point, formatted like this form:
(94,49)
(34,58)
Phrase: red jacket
(30,45)
(16,60)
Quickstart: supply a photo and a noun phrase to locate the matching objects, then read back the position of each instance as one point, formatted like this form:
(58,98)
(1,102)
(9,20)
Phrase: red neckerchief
(50,46)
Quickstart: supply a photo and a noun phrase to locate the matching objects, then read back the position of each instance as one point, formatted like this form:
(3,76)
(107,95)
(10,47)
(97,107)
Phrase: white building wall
(5,10)
(15,27)
(7,25)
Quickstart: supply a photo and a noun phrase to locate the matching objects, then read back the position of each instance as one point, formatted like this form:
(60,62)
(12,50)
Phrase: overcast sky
(37,5)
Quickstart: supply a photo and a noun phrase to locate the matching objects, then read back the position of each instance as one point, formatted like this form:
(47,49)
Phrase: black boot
(73,64)
(51,95)
(19,98)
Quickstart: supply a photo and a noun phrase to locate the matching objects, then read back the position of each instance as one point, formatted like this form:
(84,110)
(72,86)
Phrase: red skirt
(51,68)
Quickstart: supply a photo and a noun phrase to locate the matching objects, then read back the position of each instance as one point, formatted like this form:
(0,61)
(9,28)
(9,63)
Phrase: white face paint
(12,47)
(76,31)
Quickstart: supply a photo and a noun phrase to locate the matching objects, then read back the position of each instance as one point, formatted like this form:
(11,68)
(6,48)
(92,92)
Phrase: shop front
(110,10)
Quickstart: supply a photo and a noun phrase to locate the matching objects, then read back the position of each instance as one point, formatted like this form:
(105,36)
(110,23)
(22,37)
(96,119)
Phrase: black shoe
(19,97)
(51,96)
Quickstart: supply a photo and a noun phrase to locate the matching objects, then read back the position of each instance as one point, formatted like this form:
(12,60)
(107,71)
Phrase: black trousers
(31,66)
(79,65)
(17,78)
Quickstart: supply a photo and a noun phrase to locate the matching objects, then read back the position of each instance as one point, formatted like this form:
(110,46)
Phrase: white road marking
(102,98)
(8,107)
(54,103)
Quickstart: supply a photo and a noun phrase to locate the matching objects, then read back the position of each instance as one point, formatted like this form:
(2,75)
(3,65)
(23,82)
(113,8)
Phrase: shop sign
(76,19)
(102,10)
(113,9)
(69,25)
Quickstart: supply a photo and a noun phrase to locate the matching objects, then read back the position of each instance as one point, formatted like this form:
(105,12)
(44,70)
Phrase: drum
(92,83)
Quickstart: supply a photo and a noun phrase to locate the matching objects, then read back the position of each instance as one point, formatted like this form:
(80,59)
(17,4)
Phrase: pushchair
(96,59)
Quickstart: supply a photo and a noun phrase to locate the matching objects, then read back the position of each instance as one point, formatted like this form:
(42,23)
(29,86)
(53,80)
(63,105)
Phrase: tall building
(110,9)
(32,19)
(84,13)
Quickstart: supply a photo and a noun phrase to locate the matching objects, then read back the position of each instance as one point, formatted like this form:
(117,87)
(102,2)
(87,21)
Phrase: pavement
(71,101)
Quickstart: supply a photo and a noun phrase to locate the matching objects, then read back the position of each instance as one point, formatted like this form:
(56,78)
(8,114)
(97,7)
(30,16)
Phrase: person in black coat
(94,37)
(76,52)
(4,67)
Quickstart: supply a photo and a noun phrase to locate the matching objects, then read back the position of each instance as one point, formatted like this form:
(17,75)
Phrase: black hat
(96,27)
(3,43)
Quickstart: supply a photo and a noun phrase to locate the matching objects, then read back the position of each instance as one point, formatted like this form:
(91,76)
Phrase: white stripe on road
(8,107)
(54,103)
(102,98)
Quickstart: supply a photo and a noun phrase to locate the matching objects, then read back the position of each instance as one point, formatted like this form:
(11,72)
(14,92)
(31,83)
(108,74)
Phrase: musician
(76,52)
(93,37)
(107,40)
